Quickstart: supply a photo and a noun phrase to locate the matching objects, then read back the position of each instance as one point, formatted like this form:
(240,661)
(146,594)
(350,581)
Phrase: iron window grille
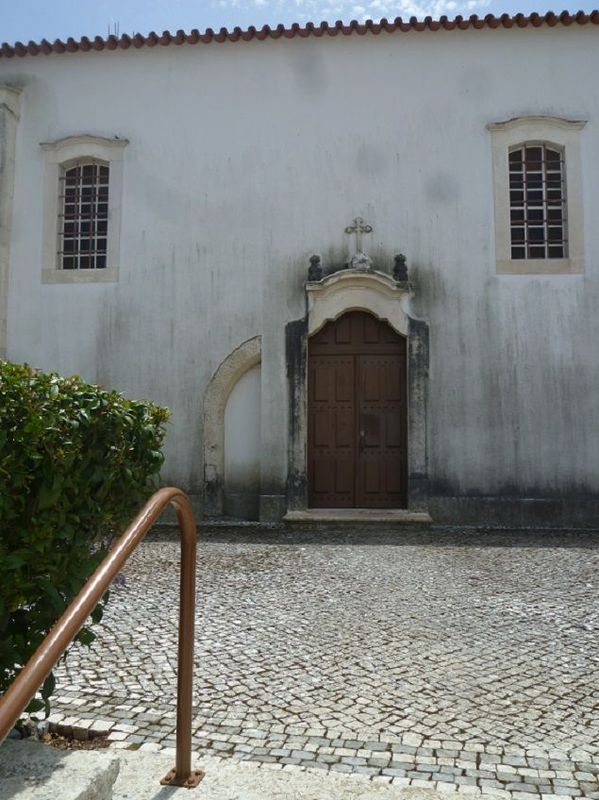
(83,216)
(538,209)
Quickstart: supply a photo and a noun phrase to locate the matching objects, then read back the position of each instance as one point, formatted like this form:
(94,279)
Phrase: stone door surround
(388,300)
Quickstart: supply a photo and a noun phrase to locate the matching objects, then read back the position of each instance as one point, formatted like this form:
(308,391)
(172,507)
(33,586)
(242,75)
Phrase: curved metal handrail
(23,688)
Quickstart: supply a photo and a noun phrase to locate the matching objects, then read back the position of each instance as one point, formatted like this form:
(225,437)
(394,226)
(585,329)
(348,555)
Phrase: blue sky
(36,19)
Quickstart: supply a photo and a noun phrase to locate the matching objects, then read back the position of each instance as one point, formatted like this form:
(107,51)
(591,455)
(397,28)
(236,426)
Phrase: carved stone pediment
(359,289)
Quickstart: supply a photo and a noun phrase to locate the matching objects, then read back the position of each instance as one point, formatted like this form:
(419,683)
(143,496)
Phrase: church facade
(360,264)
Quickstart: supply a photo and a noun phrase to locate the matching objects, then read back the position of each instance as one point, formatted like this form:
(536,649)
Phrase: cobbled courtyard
(440,658)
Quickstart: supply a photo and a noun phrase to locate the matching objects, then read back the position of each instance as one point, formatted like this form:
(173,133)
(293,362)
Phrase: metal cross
(359,227)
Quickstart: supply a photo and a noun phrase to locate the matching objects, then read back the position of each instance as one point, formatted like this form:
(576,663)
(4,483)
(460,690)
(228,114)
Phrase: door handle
(362,439)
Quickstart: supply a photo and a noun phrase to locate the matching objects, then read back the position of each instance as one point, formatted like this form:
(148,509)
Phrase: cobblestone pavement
(441,658)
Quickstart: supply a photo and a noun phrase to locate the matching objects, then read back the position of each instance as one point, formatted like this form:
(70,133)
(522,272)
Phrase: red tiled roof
(124,42)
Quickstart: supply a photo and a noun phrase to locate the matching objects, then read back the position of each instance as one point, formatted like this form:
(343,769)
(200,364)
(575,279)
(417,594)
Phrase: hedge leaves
(76,463)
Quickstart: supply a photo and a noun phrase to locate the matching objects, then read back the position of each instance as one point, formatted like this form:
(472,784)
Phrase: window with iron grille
(538,211)
(83,216)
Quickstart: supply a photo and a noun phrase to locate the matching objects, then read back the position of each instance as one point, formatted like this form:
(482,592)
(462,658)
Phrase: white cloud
(317,10)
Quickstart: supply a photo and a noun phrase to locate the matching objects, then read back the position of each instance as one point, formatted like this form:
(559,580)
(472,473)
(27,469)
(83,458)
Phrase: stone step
(30,770)
(369,516)
(228,779)
(33,771)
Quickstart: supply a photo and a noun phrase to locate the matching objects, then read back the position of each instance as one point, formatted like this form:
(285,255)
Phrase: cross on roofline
(359,227)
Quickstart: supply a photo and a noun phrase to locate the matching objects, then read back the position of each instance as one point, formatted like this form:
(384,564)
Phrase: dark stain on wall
(296,345)
(418,366)
(213,498)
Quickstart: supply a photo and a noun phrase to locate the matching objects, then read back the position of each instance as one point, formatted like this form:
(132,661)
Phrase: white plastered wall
(261,155)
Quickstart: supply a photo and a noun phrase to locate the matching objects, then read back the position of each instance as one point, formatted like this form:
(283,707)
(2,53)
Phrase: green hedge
(76,463)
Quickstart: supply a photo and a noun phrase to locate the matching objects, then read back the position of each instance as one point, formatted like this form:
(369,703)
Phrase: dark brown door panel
(357,415)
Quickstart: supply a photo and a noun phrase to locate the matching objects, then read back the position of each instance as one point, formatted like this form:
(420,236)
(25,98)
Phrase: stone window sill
(540,266)
(108,275)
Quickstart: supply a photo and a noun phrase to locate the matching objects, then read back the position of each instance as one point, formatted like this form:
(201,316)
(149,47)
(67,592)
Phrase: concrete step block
(30,770)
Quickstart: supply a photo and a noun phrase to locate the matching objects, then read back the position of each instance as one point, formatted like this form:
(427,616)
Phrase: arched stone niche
(235,365)
(242,447)
(389,300)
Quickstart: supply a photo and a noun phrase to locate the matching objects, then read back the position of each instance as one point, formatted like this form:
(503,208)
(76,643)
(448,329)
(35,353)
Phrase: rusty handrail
(24,687)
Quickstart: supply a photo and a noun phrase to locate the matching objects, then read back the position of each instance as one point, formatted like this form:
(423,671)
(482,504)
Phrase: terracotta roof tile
(296,30)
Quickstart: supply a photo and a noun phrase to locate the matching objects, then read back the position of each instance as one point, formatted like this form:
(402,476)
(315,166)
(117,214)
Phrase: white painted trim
(357,290)
(57,155)
(565,134)
(9,120)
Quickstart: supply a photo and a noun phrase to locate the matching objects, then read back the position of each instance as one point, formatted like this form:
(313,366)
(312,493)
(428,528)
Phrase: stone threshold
(385,515)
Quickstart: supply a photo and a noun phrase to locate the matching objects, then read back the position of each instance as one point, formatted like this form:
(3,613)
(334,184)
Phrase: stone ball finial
(315,270)
(400,269)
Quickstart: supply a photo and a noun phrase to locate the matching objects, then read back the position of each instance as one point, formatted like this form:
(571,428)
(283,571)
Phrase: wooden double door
(357,415)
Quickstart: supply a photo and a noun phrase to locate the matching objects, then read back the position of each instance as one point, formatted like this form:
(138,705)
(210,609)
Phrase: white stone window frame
(553,131)
(61,155)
